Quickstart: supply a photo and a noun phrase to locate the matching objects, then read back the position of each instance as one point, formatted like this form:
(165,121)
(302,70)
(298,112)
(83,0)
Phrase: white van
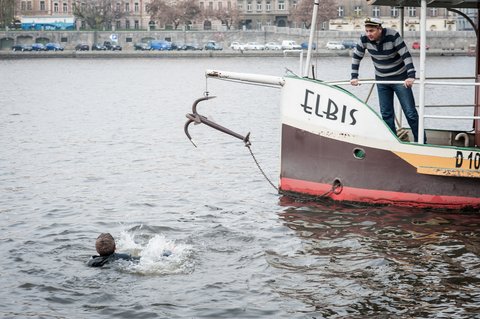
(290,45)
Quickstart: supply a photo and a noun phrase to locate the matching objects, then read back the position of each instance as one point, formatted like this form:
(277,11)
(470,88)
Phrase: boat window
(359,153)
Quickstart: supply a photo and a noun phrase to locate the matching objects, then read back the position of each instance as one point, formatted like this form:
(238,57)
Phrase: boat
(336,146)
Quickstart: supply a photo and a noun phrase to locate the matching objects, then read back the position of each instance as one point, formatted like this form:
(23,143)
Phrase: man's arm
(357,56)
(402,50)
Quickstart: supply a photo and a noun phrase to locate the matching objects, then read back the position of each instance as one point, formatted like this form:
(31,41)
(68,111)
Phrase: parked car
(349,44)
(273,46)
(82,47)
(290,45)
(190,46)
(53,47)
(160,45)
(38,47)
(254,46)
(20,47)
(141,46)
(212,45)
(304,45)
(98,47)
(416,45)
(335,45)
(237,46)
(112,46)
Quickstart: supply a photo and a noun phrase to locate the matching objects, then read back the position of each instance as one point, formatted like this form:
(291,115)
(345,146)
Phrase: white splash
(158,256)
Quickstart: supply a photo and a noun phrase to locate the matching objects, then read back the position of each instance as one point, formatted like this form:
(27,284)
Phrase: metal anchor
(196,118)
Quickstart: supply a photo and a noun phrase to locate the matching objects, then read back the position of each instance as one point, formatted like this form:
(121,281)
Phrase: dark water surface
(91,146)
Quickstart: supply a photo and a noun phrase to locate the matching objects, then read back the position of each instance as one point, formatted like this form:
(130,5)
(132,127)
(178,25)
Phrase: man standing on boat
(392,62)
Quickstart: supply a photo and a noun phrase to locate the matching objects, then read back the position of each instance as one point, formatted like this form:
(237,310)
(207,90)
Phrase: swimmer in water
(105,246)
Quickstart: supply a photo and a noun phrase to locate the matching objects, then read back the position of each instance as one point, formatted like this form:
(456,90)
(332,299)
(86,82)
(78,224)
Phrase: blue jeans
(405,96)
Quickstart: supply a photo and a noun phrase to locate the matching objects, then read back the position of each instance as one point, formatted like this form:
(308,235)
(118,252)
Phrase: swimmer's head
(105,244)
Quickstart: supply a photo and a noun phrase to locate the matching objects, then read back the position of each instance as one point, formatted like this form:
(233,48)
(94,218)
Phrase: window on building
(118,7)
(127,7)
(249,6)
(118,25)
(240,6)
(229,5)
(357,10)
(137,25)
(219,5)
(65,7)
(210,6)
(259,6)
(55,7)
(83,25)
(202,5)
(340,12)
(42,5)
(281,4)
(412,11)
(294,4)
(376,11)
(29,5)
(127,24)
(394,12)
(433,12)
(137,7)
(268,6)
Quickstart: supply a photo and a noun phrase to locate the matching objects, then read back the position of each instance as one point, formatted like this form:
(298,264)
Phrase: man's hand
(408,82)
(354,82)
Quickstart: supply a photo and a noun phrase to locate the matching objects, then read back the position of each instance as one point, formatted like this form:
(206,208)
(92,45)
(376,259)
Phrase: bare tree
(181,12)
(99,13)
(304,10)
(161,12)
(191,11)
(7,12)
(229,17)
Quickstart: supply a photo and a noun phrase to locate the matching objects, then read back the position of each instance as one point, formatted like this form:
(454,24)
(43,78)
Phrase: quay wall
(445,40)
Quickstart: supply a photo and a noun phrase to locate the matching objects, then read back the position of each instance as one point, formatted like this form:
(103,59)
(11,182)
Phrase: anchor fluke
(197,118)
(185,129)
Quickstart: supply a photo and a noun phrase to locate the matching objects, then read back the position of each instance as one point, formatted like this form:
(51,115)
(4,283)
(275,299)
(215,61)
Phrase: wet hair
(105,244)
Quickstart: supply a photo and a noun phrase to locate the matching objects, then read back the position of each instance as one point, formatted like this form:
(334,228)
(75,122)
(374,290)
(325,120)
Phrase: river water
(92,146)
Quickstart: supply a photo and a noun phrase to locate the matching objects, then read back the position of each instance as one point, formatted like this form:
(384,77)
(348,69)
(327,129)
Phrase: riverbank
(6,55)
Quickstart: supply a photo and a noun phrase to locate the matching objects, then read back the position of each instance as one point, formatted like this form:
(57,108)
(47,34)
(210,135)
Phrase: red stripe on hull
(371,196)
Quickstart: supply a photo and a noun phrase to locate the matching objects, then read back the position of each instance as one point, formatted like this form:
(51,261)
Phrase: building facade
(255,14)
(351,13)
(135,13)
(258,13)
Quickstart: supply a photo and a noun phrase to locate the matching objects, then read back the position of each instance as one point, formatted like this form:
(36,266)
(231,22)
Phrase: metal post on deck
(397,106)
(402,21)
(476,124)
(423,53)
(310,38)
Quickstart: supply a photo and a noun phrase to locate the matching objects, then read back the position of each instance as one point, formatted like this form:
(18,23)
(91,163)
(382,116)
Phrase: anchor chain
(336,188)
(260,168)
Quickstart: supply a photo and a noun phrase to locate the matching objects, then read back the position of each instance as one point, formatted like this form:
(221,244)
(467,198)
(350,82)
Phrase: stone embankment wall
(436,40)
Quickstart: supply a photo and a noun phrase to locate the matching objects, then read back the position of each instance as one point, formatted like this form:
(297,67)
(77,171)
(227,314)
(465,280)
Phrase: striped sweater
(390,56)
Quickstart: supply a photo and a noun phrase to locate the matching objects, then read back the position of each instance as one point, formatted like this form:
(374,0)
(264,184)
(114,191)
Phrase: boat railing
(296,51)
(429,81)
